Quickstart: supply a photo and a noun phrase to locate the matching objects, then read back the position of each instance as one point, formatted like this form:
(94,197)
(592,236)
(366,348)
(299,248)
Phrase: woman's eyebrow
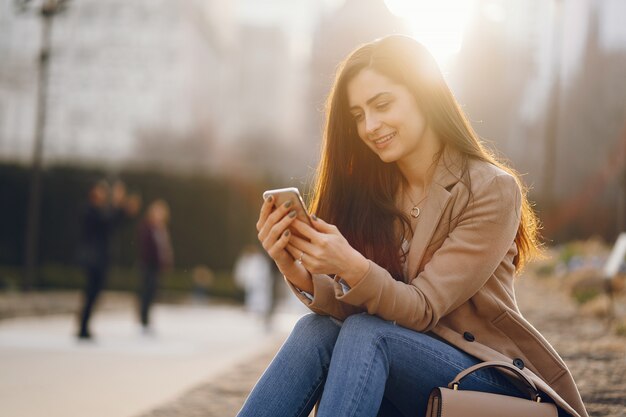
(371,99)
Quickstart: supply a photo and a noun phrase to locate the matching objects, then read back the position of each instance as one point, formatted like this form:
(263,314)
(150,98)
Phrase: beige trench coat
(461,276)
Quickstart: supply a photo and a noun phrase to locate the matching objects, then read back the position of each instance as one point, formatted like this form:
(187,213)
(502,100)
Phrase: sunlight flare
(439,25)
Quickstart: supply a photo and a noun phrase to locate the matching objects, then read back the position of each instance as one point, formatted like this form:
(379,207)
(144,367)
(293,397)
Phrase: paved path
(46,372)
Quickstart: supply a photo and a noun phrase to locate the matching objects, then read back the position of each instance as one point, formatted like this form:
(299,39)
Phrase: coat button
(518,363)
(469,337)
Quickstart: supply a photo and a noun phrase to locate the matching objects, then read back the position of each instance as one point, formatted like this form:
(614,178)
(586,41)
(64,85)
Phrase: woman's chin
(388,157)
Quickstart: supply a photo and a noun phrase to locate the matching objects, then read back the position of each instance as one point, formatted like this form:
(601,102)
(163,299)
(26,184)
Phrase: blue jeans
(363,367)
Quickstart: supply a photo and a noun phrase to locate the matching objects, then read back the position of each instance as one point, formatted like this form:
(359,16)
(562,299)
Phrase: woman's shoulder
(483,173)
(484,170)
(486,178)
(473,175)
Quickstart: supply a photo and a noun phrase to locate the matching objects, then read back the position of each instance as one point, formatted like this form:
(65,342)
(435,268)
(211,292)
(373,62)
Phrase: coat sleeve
(325,298)
(458,269)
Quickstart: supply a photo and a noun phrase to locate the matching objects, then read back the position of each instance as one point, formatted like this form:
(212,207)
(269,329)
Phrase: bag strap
(532,389)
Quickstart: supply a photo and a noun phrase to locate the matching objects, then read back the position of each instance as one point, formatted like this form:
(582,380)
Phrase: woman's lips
(384,141)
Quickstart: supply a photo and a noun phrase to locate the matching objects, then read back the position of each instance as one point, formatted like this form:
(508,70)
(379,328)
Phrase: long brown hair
(356,191)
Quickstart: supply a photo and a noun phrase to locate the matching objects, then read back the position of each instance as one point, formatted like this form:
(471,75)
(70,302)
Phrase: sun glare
(439,25)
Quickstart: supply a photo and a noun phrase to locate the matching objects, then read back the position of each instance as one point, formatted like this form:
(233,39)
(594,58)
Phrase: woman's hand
(274,235)
(327,251)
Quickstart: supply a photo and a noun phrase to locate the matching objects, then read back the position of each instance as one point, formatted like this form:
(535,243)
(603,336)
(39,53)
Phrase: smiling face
(387,117)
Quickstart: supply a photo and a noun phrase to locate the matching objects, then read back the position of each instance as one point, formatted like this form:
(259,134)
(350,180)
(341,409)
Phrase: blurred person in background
(202,278)
(410,276)
(253,272)
(155,256)
(106,210)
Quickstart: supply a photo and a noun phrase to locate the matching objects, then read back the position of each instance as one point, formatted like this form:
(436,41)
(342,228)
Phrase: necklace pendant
(415,212)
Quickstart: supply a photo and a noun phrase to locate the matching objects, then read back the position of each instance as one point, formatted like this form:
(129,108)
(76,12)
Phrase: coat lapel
(432,210)
(447,172)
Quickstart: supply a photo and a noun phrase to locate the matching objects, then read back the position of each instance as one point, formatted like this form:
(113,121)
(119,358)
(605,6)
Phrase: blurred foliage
(545,270)
(212,218)
(568,251)
(586,295)
(620,328)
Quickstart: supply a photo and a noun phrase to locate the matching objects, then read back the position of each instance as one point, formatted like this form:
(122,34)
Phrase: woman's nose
(372,124)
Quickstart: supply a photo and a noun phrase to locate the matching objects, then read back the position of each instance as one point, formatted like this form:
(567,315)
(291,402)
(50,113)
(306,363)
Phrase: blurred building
(116,69)
(527,64)
(181,84)
(265,122)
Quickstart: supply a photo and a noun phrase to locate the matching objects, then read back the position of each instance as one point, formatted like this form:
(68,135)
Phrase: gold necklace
(415,210)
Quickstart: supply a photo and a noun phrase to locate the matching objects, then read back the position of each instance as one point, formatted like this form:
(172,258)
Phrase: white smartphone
(282,195)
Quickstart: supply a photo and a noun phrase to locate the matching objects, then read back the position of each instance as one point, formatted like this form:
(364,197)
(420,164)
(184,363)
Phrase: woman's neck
(418,167)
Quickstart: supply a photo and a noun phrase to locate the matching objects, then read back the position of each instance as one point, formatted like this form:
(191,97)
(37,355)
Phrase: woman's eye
(383,105)
(357,117)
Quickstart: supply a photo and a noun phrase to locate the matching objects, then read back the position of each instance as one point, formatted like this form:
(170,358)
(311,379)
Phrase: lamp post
(47,9)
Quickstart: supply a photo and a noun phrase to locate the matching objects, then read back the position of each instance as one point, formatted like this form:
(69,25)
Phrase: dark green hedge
(212,217)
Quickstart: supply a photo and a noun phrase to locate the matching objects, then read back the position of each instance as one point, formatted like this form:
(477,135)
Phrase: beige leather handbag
(454,402)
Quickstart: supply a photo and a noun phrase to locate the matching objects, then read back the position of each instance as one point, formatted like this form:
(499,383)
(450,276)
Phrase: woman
(253,272)
(155,256)
(410,275)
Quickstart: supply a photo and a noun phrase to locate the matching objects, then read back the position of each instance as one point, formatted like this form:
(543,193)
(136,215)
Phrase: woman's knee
(314,322)
(364,323)
(314,327)
(364,329)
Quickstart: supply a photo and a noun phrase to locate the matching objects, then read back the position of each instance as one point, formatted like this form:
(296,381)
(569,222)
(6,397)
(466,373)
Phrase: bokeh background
(207,103)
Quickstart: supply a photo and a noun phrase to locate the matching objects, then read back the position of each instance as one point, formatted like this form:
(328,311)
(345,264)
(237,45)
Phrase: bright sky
(439,25)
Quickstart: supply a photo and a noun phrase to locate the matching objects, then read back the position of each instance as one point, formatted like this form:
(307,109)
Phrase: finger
(293,251)
(275,232)
(304,258)
(280,245)
(321,226)
(266,209)
(298,255)
(305,230)
(302,245)
(274,217)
